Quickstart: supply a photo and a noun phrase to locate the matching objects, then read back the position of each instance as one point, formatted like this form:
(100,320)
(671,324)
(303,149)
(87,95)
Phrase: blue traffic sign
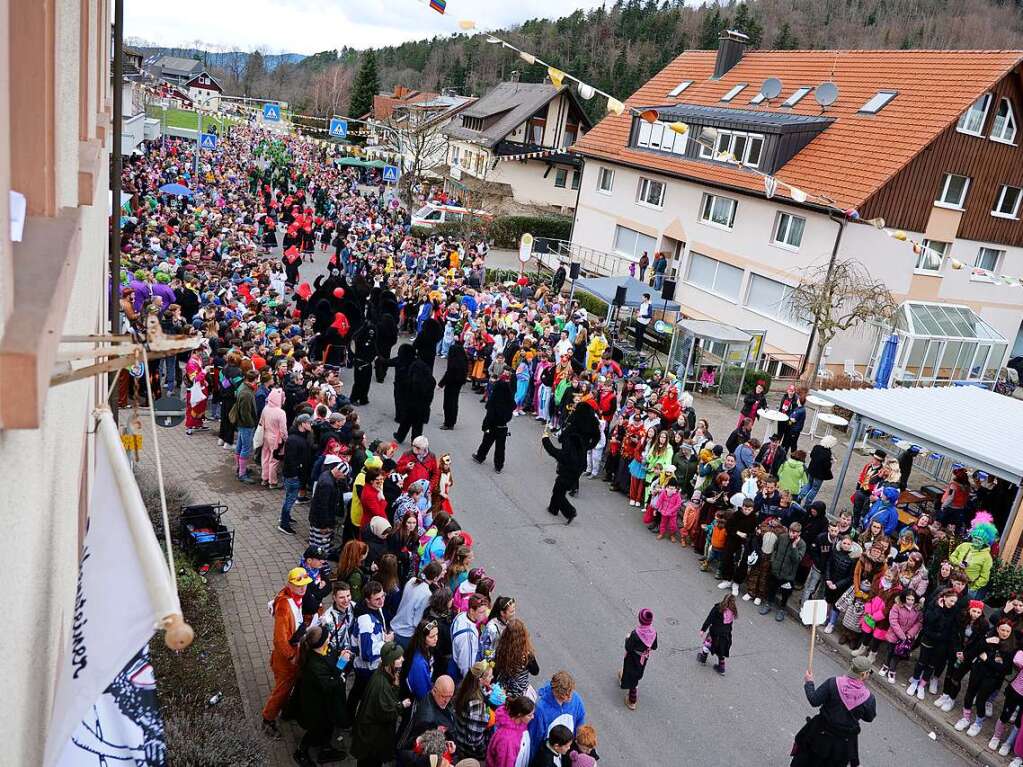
(207,140)
(271,112)
(391,174)
(338,128)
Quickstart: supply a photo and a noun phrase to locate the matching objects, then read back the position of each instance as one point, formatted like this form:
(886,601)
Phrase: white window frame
(1010,121)
(577,179)
(608,175)
(785,318)
(734,91)
(726,143)
(678,89)
(997,211)
(796,96)
(926,245)
(637,251)
(986,251)
(562,175)
(783,228)
(946,183)
(659,137)
(706,214)
(643,192)
(712,289)
(982,105)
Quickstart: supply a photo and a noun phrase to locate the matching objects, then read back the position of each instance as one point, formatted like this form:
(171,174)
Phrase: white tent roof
(973,425)
(715,331)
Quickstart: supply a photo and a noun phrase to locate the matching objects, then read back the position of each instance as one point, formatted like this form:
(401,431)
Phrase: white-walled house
(516,138)
(947,171)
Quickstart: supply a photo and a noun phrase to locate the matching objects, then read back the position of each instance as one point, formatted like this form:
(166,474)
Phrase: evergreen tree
(785,40)
(746,23)
(711,30)
(365,87)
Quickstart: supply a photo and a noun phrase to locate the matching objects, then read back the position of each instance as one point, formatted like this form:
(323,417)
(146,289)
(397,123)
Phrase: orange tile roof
(383,105)
(855,155)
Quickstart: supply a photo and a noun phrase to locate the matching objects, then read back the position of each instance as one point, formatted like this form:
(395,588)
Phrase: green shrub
(592,304)
(729,377)
(505,231)
(1006,579)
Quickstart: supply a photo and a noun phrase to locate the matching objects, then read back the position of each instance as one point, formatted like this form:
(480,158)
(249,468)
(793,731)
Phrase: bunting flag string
(529,155)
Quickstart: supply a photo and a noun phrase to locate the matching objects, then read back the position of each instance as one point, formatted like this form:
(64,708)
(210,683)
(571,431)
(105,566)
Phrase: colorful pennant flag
(439,5)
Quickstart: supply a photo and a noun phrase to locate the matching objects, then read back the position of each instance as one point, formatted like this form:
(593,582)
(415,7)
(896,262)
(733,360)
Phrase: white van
(434,213)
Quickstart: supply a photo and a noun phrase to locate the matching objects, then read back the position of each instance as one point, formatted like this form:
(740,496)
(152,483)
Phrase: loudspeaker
(620,292)
(573,271)
(668,290)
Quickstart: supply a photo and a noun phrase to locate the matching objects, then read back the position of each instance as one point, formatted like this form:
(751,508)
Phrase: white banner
(124,592)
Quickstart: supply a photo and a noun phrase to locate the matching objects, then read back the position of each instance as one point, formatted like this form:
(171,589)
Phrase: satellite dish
(771,87)
(826,94)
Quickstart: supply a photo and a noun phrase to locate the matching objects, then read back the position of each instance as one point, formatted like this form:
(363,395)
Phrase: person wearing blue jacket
(884,511)
(556,703)
(418,667)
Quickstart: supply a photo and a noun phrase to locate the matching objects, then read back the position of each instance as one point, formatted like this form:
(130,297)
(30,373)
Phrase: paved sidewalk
(262,555)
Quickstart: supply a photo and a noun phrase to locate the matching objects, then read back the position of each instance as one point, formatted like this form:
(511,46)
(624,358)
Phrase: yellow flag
(556,75)
(615,106)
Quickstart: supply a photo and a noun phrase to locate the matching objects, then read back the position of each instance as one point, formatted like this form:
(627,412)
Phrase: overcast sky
(308,26)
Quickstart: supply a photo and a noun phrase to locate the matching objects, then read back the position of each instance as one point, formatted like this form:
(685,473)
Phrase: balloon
(296,314)
(339,292)
(522,281)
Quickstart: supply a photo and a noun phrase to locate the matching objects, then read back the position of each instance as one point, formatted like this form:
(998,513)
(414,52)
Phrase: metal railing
(552,253)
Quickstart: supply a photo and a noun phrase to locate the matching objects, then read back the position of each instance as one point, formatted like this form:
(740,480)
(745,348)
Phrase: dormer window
(1004,126)
(677,90)
(735,91)
(972,121)
(796,96)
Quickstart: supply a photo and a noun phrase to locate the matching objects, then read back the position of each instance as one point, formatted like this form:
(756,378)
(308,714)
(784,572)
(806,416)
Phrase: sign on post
(338,128)
(390,174)
(272,112)
(813,613)
(525,247)
(207,140)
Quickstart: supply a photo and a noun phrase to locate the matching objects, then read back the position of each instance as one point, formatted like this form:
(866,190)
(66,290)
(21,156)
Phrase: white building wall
(529,185)
(748,246)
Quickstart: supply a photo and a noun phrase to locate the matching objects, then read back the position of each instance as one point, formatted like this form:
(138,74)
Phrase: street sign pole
(198,144)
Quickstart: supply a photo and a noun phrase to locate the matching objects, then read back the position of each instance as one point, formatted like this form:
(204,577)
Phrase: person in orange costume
(286,609)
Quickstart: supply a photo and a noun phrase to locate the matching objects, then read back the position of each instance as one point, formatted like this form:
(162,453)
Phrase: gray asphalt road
(579,588)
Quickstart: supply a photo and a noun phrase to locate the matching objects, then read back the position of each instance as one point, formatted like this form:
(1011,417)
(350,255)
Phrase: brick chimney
(731,46)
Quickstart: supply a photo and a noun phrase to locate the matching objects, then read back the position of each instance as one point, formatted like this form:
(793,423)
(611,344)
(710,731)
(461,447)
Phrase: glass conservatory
(941,344)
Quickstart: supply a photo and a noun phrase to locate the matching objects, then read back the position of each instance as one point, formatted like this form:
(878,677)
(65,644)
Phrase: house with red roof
(784,158)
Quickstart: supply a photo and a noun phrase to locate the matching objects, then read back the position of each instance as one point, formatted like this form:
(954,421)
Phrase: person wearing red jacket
(419,463)
(374,504)
(286,609)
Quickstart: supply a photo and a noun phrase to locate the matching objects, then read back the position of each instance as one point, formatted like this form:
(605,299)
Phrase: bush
(730,375)
(1006,579)
(505,231)
(592,304)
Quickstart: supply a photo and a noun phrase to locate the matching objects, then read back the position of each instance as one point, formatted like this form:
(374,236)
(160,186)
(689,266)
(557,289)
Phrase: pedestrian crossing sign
(271,112)
(338,128)
(207,141)
(391,174)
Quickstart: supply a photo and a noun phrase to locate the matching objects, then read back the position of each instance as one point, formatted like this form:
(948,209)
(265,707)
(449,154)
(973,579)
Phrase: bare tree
(421,145)
(839,296)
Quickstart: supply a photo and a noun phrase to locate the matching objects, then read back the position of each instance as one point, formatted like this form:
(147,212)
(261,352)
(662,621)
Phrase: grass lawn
(183,118)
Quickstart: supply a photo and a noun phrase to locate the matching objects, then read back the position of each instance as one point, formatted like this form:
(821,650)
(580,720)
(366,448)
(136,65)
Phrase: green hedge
(506,230)
(730,375)
(592,304)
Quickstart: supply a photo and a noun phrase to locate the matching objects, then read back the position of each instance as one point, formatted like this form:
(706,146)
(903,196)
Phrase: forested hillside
(617,49)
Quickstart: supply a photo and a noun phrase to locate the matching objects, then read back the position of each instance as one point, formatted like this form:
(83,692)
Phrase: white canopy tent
(973,425)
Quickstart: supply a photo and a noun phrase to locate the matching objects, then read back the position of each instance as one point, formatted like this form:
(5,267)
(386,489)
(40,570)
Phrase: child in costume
(974,556)
(716,632)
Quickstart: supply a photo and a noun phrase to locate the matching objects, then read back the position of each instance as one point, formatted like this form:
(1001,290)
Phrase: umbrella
(887,362)
(177,189)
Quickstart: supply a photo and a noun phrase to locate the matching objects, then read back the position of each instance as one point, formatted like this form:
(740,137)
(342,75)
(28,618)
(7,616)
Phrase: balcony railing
(591,262)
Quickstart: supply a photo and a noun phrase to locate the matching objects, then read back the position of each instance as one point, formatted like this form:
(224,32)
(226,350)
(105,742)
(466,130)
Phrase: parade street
(579,588)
